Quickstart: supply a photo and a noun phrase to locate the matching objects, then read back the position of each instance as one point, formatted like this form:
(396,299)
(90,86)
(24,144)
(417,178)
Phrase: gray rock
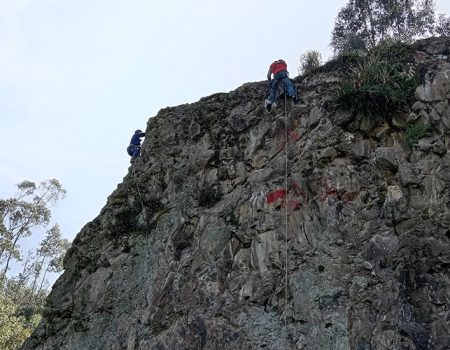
(314,117)
(369,123)
(214,238)
(359,149)
(194,129)
(400,119)
(265,251)
(408,174)
(386,159)
(423,118)
(231,252)
(342,117)
(439,148)
(417,106)
(438,89)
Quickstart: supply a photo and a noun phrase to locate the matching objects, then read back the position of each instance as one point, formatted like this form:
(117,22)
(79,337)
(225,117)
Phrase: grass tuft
(379,83)
(416,132)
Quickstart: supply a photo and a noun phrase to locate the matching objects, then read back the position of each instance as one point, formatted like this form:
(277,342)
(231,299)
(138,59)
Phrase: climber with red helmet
(134,149)
(280,74)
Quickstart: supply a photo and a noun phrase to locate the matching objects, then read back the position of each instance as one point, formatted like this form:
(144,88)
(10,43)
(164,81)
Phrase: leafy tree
(376,20)
(443,25)
(353,43)
(50,256)
(12,327)
(309,60)
(22,297)
(28,209)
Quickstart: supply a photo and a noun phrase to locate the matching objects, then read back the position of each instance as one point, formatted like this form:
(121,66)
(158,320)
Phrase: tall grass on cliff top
(378,83)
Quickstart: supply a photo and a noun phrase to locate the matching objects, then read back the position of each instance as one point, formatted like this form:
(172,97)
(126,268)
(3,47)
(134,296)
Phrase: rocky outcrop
(240,229)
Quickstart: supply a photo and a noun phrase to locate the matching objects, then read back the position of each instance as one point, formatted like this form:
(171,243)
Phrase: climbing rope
(147,250)
(286,213)
(137,187)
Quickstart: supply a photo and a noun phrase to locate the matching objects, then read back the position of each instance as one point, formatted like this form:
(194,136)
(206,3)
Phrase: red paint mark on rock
(292,136)
(332,191)
(294,191)
(275,195)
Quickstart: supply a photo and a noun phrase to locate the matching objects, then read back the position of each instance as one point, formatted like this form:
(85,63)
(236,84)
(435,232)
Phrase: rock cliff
(241,229)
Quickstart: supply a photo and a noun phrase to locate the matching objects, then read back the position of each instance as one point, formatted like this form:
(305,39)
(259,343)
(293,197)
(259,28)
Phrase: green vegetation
(416,132)
(22,296)
(379,82)
(309,61)
(14,329)
(372,21)
(353,42)
(343,60)
(392,51)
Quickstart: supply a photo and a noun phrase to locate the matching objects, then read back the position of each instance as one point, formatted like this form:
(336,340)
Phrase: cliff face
(190,250)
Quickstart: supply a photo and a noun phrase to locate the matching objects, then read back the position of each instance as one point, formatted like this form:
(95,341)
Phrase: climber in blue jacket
(134,149)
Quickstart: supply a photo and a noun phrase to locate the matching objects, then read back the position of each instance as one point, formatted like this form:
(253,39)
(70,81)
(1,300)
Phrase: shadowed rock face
(190,250)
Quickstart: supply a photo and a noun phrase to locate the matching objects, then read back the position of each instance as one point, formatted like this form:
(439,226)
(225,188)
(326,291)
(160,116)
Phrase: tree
(309,60)
(28,209)
(50,255)
(353,43)
(376,20)
(12,327)
(22,297)
(443,25)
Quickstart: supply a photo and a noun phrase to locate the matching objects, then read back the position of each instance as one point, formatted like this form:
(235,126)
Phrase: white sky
(78,77)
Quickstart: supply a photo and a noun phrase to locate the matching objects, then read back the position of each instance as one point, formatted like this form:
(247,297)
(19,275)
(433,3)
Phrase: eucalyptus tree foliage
(50,255)
(27,210)
(353,43)
(443,25)
(376,20)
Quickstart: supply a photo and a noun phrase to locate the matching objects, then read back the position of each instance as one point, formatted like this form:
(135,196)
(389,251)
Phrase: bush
(416,132)
(393,51)
(378,83)
(310,60)
(344,60)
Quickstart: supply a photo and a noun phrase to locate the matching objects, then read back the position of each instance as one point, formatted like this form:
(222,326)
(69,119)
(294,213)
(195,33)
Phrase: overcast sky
(77,77)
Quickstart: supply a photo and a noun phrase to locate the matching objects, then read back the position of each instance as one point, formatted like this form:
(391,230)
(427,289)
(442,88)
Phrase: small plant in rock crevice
(416,132)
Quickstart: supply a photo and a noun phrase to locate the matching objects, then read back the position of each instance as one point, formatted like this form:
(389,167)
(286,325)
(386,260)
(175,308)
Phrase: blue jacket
(136,139)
